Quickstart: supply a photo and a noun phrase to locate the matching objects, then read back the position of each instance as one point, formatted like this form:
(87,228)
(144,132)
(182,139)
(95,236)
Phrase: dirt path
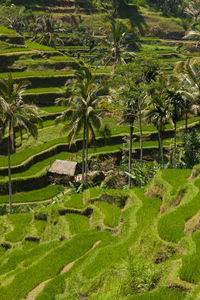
(35,292)
(70,265)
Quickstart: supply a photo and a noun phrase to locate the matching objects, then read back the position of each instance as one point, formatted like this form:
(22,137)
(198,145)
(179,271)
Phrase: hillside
(116,86)
(145,239)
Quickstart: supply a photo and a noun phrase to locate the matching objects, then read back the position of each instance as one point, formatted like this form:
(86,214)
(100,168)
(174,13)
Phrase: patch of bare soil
(193,224)
(70,265)
(179,197)
(194,174)
(33,294)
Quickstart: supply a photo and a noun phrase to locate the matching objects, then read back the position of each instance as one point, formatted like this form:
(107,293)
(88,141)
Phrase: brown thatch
(63,167)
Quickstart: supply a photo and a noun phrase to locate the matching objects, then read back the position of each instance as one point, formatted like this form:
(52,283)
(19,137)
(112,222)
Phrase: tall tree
(129,115)
(46,31)
(115,45)
(158,115)
(82,113)
(176,102)
(158,111)
(189,85)
(14,113)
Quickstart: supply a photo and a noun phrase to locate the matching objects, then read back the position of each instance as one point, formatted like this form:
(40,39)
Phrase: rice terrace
(99,149)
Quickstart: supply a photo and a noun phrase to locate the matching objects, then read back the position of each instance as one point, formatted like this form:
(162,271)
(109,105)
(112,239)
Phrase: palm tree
(158,111)
(82,111)
(14,113)
(129,104)
(46,31)
(158,114)
(189,82)
(193,10)
(114,44)
(176,101)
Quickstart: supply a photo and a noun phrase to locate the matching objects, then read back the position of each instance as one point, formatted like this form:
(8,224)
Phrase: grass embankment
(137,234)
(74,201)
(41,167)
(48,266)
(111,213)
(171,225)
(43,194)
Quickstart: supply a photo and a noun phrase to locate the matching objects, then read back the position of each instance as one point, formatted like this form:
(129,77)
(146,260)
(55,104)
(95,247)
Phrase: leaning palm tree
(14,113)
(82,113)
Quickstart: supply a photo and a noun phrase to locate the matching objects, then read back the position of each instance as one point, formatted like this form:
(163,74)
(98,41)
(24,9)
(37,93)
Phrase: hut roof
(63,167)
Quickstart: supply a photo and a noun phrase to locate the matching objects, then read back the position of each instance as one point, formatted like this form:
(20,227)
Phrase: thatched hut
(63,169)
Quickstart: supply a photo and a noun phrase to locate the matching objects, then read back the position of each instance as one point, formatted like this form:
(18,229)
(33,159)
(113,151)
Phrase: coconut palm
(14,113)
(189,82)
(176,101)
(114,44)
(127,105)
(158,114)
(46,31)
(158,111)
(193,10)
(83,113)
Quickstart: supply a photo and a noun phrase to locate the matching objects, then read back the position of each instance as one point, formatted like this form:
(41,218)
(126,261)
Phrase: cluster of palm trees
(158,100)
(82,99)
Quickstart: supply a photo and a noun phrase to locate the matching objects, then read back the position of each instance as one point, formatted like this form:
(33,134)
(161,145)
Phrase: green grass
(18,75)
(7,31)
(45,193)
(39,47)
(40,226)
(48,90)
(48,266)
(57,284)
(161,294)
(116,251)
(171,225)
(25,257)
(75,201)
(77,223)
(176,178)
(30,46)
(53,109)
(19,223)
(111,213)
(61,58)
(48,137)
(190,270)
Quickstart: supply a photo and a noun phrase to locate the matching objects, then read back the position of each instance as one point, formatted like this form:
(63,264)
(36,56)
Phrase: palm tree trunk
(161,148)
(174,145)
(9,174)
(130,153)
(83,152)
(141,140)
(186,121)
(86,153)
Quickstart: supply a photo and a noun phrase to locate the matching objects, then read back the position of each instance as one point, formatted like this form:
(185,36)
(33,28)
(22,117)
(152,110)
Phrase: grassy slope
(137,233)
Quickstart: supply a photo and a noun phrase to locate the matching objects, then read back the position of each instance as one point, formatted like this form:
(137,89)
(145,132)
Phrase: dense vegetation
(114,86)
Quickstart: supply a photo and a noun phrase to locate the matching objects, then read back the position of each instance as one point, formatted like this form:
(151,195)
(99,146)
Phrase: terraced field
(101,233)
(68,246)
